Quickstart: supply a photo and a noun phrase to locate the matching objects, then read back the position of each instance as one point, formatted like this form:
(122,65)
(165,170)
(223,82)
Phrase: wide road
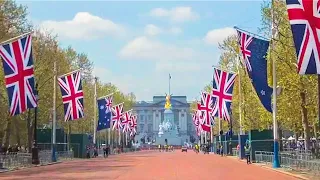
(150,165)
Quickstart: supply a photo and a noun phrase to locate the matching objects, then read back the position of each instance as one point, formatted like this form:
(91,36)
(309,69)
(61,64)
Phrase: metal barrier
(235,152)
(16,160)
(293,161)
(13,160)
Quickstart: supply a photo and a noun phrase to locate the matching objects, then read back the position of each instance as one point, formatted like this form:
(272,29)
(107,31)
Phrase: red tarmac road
(150,165)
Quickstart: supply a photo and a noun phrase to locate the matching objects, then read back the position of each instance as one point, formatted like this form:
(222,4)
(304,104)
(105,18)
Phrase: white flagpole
(119,133)
(126,138)
(240,102)
(54,115)
(70,73)
(276,163)
(109,132)
(211,137)
(15,38)
(95,111)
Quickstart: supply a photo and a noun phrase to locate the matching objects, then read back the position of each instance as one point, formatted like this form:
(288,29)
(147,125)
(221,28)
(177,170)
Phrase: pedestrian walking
(247,150)
(104,151)
(107,150)
(88,152)
(221,150)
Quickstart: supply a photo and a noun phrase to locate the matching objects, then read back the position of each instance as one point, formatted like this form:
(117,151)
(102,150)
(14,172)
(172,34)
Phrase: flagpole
(252,34)
(211,137)
(70,72)
(240,103)
(126,139)
(109,132)
(169,83)
(119,133)
(276,163)
(220,128)
(105,96)
(54,115)
(95,111)
(15,38)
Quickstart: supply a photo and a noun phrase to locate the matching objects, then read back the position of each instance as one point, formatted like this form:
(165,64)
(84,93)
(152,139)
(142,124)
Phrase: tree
(19,129)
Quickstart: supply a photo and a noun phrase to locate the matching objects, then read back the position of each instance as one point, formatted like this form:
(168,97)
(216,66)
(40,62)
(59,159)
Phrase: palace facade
(150,115)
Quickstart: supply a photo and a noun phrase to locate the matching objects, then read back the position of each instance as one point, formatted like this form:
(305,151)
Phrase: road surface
(150,165)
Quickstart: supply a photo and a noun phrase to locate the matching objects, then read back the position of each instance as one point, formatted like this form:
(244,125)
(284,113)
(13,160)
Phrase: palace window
(149,127)
(141,127)
(150,118)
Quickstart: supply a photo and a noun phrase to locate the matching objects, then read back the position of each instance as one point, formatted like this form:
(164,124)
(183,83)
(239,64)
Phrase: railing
(235,152)
(294,161)
(12,160)
(16,160)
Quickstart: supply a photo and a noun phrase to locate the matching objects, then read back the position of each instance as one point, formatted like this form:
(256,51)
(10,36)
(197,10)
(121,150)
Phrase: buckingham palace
(151,114)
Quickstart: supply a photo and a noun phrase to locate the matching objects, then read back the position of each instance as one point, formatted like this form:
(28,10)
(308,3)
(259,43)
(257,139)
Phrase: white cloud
(83,26)
(178,14)
(123,82)
(144,48)
(156,83)
(153,30)
(175,30)
(216,36)
(128,83)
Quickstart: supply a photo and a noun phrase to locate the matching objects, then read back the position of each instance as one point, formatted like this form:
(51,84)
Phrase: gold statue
(168,103)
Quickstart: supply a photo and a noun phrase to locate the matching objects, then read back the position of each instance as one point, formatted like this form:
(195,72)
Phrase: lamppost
(35,155)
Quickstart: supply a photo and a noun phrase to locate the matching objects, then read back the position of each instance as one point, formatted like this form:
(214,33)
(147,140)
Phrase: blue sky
(135,45)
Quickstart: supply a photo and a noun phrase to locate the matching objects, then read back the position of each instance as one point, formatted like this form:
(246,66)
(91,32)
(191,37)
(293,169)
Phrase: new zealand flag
(104,106)
(254,53)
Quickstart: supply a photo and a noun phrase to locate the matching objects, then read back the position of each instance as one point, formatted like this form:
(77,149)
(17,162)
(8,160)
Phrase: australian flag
(104,106)
(254,53)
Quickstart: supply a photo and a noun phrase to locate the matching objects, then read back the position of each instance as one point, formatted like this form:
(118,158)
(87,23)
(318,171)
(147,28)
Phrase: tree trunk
(17,131)
(29,128)
(7,132)
(305,123)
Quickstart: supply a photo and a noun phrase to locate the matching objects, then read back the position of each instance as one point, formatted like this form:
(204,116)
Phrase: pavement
(150,165)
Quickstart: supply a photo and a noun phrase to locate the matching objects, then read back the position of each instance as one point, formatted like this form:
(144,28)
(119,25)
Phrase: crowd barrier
(297,161)
(16,160)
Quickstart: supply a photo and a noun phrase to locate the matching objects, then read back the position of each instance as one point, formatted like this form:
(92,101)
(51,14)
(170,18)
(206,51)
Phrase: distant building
(150,115)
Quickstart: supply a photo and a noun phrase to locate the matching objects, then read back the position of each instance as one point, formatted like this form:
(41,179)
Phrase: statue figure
(160,129)
(168,103)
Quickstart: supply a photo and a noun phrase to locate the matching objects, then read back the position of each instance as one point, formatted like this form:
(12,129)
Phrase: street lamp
(35,155)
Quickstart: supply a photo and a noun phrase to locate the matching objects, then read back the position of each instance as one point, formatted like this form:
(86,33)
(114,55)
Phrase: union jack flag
(205,108)
(117,113)
(72,96)
(222,93)
(304,18)
(108,103)
(196,122)
(133,125)
(19,75)
(244,41)
(126,121)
